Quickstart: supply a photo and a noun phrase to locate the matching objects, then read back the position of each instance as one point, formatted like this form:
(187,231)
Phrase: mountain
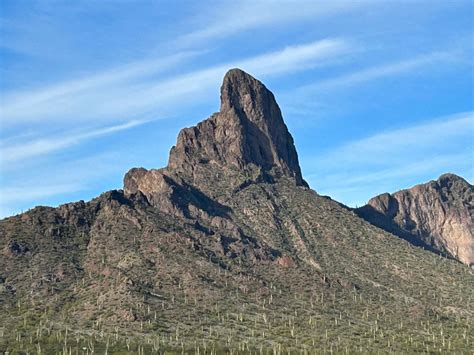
(226,249)
(438,215)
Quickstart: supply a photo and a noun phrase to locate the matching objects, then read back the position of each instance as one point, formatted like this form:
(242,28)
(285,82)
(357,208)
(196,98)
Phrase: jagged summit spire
(249,129)
(245,141)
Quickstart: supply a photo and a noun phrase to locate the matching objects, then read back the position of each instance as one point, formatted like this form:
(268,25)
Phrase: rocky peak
(451,181)
(248,130)
(245,142)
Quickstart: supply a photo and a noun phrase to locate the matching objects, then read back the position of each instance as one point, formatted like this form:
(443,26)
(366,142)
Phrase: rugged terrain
(225,249)
(438,215)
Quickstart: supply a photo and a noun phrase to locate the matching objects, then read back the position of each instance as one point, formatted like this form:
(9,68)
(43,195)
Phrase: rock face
(437,215)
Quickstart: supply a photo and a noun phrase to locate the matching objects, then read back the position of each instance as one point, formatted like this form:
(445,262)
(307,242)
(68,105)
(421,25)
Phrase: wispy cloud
(20,151)
(118,94)
(230,18)
(290,59)
(14,103)
(400,143)
(362,168)
(315,98)
(424,61)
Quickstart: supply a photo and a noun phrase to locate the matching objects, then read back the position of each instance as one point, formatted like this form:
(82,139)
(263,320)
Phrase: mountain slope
(224,249)
(438,215)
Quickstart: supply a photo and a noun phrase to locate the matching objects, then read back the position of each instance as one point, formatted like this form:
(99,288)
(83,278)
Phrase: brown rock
(285,261)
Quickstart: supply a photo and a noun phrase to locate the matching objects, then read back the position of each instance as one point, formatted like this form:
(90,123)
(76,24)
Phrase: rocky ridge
(438,215)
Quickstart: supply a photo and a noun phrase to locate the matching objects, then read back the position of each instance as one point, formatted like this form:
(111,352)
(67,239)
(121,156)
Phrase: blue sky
(378,95)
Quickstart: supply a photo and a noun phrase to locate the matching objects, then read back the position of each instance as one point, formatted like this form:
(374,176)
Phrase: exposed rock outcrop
(437,215)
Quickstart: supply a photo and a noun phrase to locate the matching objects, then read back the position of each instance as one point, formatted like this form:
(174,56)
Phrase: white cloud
(420,62)
(297,58)
(116,94)
(25,150)
(16,105)
(289,59)
(317,99)
(235,17)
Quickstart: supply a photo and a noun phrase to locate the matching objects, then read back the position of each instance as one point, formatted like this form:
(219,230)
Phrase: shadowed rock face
(246,141)
(438,215)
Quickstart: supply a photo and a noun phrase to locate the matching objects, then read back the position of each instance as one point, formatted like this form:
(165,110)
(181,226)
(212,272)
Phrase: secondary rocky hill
(225,249)
(438,215)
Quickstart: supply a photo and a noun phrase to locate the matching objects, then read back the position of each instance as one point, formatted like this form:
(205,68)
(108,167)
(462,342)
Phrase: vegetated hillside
(438,215)
(225,249)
